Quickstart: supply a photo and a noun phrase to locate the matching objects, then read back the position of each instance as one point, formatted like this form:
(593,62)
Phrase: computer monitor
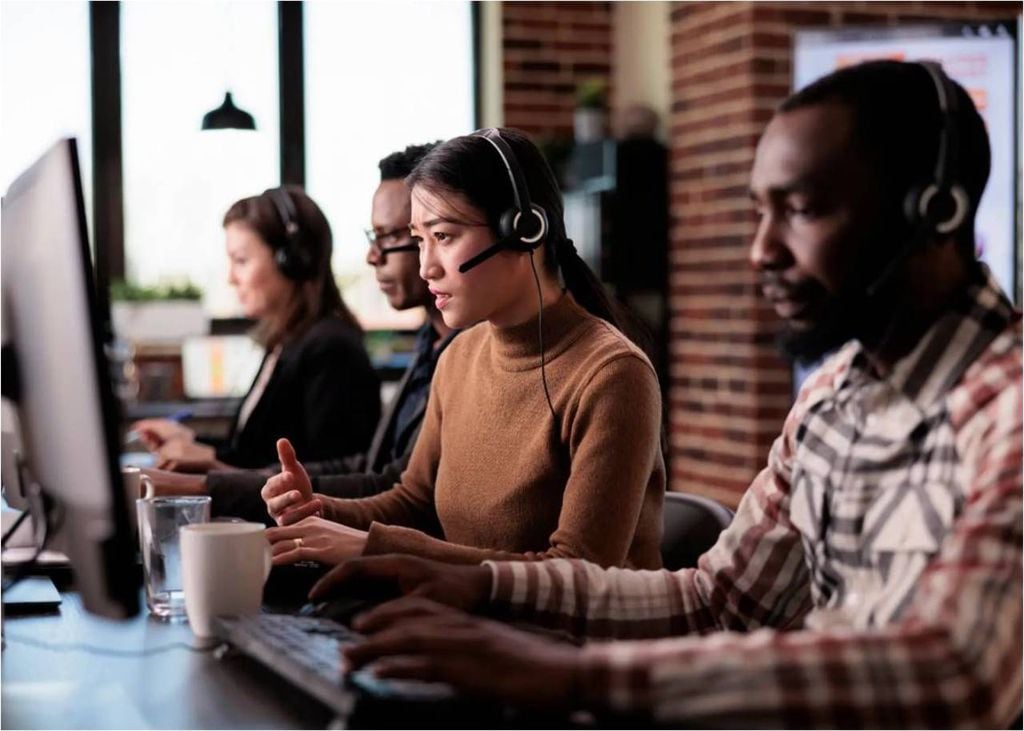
(56,373)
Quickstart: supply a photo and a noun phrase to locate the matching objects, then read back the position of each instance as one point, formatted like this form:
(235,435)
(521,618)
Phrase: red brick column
(731,64)
(548,49)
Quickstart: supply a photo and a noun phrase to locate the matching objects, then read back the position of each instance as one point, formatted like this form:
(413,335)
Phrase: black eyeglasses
(378,241)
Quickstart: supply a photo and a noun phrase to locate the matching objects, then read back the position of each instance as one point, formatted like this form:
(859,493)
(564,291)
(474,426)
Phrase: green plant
(592,94)
(122,291)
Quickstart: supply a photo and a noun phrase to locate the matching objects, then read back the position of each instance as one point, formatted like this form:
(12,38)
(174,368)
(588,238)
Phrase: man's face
(398,272)
(820,237)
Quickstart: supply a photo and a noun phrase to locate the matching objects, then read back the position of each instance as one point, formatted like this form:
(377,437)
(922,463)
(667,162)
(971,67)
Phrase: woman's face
(262,290)
(450,232)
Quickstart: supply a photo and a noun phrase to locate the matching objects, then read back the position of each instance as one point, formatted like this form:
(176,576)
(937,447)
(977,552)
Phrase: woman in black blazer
(316,385)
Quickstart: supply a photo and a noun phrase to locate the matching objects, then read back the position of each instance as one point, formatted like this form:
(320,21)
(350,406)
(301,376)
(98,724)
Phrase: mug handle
(146,487)
(268,562)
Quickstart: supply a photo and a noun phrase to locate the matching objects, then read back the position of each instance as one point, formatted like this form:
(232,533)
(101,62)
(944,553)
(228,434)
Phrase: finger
(408,668)
(294,515)
(151,439)
(286,455)
(291,556)
(277,485)
(279,534)
(423,637)
(277,505)
(358,569)
(400,610)
(285,545)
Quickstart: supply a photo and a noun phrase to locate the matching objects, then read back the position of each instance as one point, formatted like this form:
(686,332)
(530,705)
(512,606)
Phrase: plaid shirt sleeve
(952,658)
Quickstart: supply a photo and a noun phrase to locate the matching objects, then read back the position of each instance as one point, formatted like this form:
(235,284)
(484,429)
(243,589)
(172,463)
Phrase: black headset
(940,205)
(292,259)
(521,227)
(936,206)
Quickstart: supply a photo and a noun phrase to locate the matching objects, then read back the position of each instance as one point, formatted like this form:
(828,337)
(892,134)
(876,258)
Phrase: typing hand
(154,433)
(315,539)
(463,587)
(418,639)
(186,456)
(289,495)
(175,483)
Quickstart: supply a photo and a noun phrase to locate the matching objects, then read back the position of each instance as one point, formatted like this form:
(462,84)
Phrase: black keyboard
(306,651)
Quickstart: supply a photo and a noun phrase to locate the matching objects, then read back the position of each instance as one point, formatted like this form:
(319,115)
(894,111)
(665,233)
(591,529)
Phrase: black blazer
(323,395)
(237,493)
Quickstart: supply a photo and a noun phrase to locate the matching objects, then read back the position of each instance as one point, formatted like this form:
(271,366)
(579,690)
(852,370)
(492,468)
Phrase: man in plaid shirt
(872,574)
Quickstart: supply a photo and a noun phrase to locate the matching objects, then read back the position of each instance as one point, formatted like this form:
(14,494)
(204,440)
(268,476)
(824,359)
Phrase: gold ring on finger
(298,543)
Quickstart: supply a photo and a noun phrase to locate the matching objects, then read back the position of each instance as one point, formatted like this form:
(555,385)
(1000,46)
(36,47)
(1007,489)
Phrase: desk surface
(176,688)
(50,681)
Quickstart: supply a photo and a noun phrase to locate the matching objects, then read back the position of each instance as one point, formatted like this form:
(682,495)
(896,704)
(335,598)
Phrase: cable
(23,570)
(19,466)
(9,533)
(540,336)
(109,651)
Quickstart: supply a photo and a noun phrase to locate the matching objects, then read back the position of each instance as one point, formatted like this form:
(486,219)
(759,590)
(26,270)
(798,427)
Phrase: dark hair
(470,167)
(314,298)
(897,123)
(398,165)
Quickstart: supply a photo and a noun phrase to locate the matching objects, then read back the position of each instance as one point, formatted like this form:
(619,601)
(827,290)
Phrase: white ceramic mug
(136,484)
(224,567)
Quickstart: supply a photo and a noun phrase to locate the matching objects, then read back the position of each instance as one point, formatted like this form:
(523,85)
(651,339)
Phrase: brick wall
(731,64)
(549,48)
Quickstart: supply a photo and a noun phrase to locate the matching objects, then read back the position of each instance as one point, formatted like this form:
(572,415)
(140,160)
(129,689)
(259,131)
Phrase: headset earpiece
(939,206)
(523,233)
(940,211)
(292,259)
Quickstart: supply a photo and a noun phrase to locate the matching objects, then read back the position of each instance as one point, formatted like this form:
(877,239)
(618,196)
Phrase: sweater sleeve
(607,483)
(411,501)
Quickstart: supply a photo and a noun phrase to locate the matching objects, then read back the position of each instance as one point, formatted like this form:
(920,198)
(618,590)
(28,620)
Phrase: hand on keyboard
(462,587)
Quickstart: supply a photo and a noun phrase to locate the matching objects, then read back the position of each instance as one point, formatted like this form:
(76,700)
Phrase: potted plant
(157,313)
(591,110)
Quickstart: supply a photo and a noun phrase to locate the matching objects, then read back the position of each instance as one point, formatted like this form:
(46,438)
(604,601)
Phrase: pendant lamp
(228,116)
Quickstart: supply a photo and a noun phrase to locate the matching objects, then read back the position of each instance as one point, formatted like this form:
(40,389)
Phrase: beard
(852,314)
(834,328)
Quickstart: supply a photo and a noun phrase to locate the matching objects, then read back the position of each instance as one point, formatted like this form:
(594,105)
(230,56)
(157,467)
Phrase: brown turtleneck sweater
(492,476)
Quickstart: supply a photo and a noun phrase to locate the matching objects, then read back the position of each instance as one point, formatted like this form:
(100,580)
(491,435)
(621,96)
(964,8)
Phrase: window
(178,59)
(45,85)
(379,77)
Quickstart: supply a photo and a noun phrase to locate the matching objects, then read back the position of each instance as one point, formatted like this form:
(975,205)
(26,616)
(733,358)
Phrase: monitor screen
(56,373)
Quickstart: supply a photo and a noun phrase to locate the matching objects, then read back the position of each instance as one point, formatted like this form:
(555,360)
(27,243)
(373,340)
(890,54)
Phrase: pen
(180,415)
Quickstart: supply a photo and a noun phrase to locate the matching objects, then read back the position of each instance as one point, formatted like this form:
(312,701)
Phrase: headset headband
(944,179)
(946,162)
(285,209)
(515,176)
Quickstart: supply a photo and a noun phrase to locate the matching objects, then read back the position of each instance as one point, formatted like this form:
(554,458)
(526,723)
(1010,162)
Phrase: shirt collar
(427,348)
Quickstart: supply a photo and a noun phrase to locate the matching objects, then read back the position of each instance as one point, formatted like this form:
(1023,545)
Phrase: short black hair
(398,165)
(897,123)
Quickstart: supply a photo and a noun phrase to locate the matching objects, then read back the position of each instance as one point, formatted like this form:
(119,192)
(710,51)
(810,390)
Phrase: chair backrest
(692,525)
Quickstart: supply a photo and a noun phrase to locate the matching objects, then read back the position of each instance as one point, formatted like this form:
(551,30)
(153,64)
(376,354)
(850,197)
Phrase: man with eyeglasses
(394,258)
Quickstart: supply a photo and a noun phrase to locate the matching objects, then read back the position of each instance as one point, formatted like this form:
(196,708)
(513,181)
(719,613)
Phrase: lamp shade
(228,116)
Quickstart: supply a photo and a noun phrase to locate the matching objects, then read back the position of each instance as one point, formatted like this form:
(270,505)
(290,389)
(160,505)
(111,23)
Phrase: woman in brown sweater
(541,437)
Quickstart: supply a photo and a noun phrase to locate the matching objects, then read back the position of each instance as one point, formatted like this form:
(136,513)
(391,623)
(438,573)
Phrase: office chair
(692,525)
